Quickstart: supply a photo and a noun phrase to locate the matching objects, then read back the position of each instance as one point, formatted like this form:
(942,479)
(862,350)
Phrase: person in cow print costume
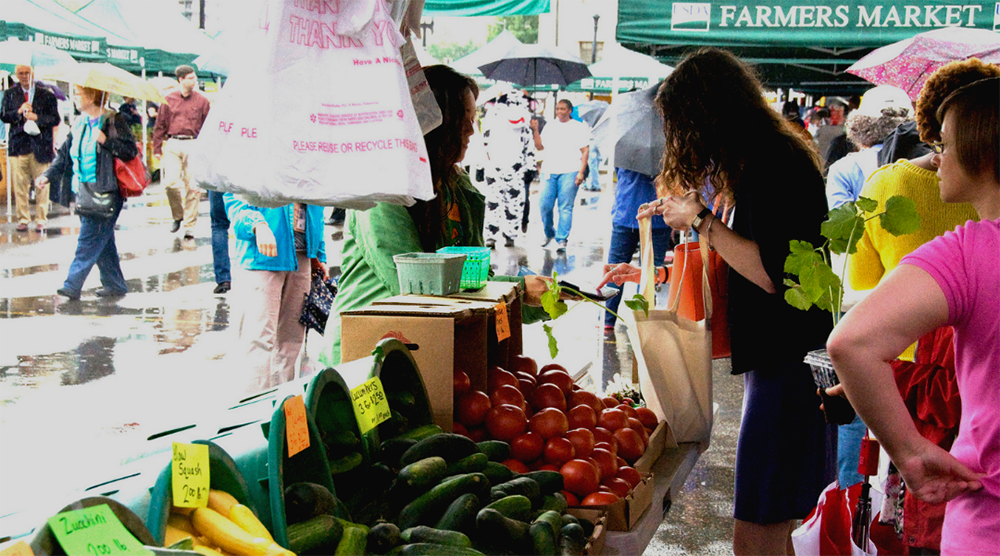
(511,151)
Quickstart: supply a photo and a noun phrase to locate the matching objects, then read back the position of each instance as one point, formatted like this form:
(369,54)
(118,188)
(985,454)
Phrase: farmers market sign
(797,23)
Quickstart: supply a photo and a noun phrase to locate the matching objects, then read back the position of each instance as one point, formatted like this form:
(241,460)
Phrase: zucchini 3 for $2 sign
(370,404)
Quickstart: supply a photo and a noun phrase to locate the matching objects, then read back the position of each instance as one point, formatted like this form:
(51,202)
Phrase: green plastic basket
(429,273)
(476,268)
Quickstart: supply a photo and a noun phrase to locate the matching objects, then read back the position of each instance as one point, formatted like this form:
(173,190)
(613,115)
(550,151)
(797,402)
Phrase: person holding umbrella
(87,160)
(32,113)
(786,453)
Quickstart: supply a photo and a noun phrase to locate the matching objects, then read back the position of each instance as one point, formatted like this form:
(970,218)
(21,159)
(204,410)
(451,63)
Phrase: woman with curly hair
(455,216)
(786,453)
(950,281)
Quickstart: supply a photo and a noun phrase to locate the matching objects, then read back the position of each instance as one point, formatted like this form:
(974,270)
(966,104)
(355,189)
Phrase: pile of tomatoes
(550,423)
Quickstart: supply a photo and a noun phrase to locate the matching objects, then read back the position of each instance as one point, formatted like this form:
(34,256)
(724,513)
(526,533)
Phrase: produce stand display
(328,458)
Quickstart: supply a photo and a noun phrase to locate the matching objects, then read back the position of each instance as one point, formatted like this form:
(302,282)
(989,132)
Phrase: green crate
(476,268)
(429,273)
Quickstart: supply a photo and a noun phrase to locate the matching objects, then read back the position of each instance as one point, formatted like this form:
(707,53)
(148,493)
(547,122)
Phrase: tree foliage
(451,50)
(524,27)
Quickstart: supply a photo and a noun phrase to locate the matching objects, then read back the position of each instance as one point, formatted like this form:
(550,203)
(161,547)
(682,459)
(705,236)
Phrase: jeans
(849,451)
(623,243)
(220,237)
(593,162)
(561,187)
(96,245)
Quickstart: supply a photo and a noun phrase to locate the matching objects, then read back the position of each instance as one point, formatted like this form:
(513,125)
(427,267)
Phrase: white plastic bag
(319,112)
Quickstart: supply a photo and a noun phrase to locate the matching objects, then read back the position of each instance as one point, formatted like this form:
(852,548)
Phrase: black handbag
(93,204)
(318,302)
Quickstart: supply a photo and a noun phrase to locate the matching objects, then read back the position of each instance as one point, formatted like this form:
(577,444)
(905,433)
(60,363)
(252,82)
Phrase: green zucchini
(543,539)
(346,463)
(422,533)
(515,507)
(430,549)
(391,450)
(352,543)
(421,432)
(383,537)
(511,534)
(306,500)
(520,485)
(316,533)
(555,502)
(395,426)
(424,473)
(460,515)
(451,447)
(495,450)
(401,399)
(569,518)
(548,481)
(572,541)
(588,527)
(497,473)
(428,507)
(475,463)
(553,519)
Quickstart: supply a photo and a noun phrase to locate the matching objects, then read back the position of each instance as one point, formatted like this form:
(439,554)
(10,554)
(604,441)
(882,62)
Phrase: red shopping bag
(692,305)
(827,530)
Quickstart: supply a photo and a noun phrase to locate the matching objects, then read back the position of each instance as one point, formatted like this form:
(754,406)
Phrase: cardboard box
(501,353)
(599,517)
(440,338)
(654,450)
(625,513)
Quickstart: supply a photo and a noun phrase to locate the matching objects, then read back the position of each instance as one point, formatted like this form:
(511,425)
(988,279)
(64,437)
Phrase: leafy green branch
(844,227)
(556,307)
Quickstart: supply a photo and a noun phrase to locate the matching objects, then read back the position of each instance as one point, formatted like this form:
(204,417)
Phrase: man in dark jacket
(30,150)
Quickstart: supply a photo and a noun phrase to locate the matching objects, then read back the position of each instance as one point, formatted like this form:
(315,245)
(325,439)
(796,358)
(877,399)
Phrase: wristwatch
(700,218)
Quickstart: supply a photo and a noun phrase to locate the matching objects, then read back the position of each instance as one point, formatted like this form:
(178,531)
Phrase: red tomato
(508,395)
(549,467)
(600,499)
(610,402)
(580,477)
(548,395)
(524,364)
(571,498)
(527,447)
(558,451)
(497,377)
(526,387)
(471,408)
(549,423)
(582,397)
(516,466)
(612,419)
(559,378)
(629,475)
(621,462)
(462,383)
(602,434)
(647,417)
(617,486)
(629,401)
(457,428)
(582,417)
(552,367)
(525,376)
(583,442)
(629,444)
(606,462)
(506,422)
(635,425)
(479,434)
(628,411)
(604,488)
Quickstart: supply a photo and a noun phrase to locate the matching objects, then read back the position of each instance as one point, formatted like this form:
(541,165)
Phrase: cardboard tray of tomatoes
(657,443)
(599,517)
(625,513)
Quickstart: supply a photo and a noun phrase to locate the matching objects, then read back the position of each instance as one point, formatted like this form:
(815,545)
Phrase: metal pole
(593,47)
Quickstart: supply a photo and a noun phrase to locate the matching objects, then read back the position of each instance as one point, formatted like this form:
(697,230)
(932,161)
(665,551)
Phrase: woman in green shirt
(454,217)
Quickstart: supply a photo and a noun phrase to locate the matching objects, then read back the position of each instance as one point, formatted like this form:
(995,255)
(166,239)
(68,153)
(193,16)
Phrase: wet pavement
(84,384)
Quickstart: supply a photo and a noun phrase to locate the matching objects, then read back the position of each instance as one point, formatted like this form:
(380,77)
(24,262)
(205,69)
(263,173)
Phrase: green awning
(49,23)
(792,44)
(469,8)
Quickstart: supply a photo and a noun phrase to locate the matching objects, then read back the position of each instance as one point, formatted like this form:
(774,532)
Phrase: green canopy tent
(793,44)
(472,8)
(631,70)
(167,43)
(48,22)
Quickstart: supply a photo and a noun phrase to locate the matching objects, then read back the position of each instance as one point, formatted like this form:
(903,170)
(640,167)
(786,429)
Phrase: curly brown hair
(942,83)
(703,138)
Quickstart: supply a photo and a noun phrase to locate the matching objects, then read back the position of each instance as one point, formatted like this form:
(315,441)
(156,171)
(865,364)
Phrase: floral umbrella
(907,64)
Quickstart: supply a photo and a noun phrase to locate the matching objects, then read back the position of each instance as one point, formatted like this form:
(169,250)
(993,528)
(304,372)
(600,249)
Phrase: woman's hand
(619,274)
(534,287)
(266,244)
(41,181)
(678,211)
(101,137)
(316,264)
(933,475)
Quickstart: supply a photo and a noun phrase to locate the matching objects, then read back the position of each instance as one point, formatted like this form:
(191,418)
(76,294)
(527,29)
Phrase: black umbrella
(533,64)
(591,111)
(634,127)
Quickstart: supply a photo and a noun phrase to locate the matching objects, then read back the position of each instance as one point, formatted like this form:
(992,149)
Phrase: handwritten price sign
(20,548)
(296,425)
(94,531)
(370,404)
(189,474)
(503,325)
